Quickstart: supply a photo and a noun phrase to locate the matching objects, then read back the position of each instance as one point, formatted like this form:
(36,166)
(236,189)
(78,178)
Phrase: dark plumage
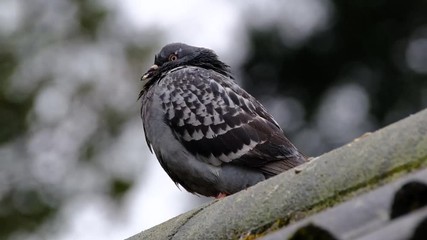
(209,135)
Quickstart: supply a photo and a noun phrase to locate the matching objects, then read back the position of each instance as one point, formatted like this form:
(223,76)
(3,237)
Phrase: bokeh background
(73,159)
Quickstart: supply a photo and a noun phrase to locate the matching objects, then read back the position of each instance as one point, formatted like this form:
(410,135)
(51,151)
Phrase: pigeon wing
(219,122)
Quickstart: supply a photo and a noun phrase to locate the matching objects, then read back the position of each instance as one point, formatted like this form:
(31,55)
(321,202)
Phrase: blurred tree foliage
(25,202)
(366,44)
(12,111)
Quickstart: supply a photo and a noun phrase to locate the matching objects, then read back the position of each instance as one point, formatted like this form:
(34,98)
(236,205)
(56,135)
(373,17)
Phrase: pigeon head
(176,53)
(179,54)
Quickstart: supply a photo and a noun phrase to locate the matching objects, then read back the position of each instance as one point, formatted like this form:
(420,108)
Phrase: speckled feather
(217,124)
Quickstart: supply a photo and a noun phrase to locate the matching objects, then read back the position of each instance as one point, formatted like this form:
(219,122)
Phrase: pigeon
(209,135)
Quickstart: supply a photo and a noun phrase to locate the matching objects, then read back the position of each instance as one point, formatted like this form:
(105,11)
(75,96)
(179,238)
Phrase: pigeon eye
(172,57)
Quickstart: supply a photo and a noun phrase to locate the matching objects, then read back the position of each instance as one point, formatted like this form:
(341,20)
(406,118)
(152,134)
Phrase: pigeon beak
(150,72)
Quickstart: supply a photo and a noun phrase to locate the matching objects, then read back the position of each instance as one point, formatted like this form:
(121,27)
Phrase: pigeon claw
(221,195)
